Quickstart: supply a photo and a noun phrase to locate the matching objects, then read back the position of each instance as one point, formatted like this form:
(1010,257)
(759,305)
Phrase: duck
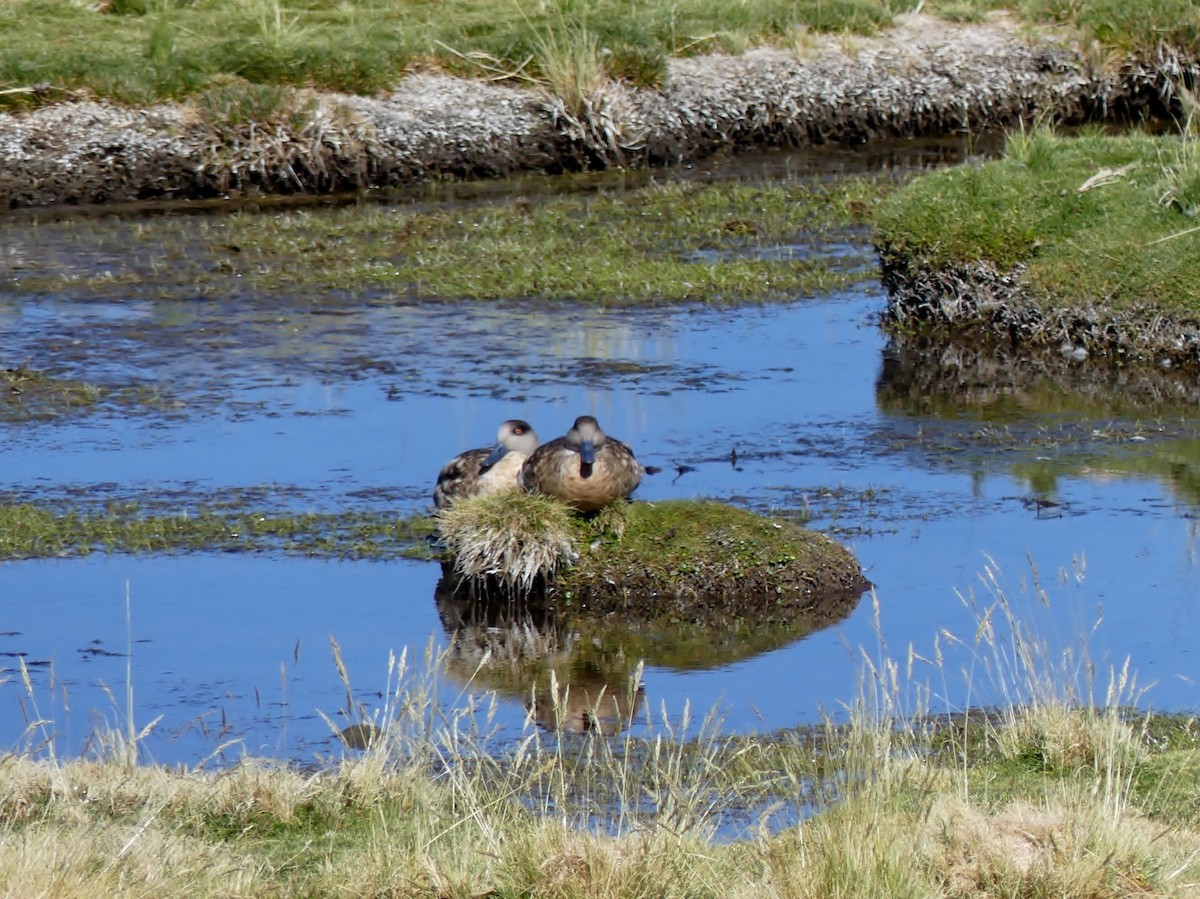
(489,469)
(585,467)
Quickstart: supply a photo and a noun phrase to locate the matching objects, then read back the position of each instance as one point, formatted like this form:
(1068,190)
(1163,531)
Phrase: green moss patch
(1090,243)
(684,557)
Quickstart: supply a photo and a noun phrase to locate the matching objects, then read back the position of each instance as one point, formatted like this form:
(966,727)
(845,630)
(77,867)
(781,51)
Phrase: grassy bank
(1086,242)
(141,51)
(1060,791)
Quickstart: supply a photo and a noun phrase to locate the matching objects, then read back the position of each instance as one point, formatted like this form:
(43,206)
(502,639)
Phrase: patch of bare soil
(922,77)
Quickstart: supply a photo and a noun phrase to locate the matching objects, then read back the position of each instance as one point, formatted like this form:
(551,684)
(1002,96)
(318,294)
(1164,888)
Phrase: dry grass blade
(1106,176)
(1173,236)
(494,68)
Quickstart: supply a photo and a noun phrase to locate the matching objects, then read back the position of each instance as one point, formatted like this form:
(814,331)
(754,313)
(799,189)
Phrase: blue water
(233,647)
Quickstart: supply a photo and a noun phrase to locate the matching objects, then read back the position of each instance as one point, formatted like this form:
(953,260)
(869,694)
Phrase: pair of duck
(585,467)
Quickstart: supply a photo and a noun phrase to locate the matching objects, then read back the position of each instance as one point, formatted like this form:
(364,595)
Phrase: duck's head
(586,438)
(515,435)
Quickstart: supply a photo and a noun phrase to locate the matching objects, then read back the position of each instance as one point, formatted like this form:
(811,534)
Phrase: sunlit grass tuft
(517,538)
(1033,147)
(581,96)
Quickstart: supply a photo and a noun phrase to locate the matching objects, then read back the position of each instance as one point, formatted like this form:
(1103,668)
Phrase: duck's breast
(503,475)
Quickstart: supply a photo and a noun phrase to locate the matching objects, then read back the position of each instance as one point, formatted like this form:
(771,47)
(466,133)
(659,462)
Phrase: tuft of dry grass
(260,132)
(516,538)
(1055,847)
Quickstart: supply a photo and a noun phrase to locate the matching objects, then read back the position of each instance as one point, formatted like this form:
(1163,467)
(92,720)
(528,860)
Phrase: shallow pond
(1077,491)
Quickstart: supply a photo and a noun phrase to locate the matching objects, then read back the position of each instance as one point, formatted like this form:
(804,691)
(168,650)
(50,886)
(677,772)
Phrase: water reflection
(919,376)
(1048,416)
(530,654)
(580,672)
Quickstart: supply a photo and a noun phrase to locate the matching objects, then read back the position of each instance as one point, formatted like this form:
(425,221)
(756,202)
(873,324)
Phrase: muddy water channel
(956,477)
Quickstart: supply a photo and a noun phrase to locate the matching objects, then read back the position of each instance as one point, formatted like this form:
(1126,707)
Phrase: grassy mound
(1085,243)
(678,558)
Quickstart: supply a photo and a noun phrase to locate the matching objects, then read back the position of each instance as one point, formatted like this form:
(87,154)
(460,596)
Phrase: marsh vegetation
(29,531)
(668,239)
(1059,782)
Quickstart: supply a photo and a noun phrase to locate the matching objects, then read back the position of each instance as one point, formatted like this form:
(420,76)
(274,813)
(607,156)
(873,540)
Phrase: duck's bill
(495,455)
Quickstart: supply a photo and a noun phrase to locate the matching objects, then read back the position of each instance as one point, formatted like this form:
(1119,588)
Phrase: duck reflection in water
(488,469)
(507,646)
(585,468)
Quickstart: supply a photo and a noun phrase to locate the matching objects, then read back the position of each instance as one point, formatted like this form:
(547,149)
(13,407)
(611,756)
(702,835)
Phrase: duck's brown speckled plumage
(585,467)
(488,469)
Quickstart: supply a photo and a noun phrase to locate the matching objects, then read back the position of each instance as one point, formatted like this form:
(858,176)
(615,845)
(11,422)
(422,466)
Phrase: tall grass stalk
(35,724)
(122,745)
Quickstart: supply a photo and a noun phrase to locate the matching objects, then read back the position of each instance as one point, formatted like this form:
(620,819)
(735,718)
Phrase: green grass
(1137,27)
(147,50)
(30,531)
(140,51)
(668,242)
(1104,222)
